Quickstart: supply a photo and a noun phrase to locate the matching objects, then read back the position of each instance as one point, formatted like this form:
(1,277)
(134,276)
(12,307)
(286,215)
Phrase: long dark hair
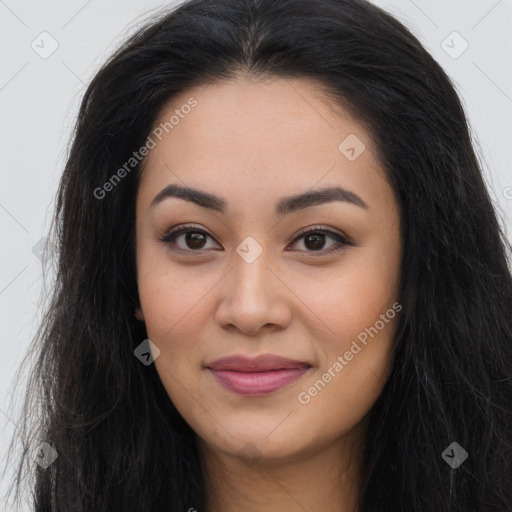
(121,444)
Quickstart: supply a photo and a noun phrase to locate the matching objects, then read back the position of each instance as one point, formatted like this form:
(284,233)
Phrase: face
(303,291)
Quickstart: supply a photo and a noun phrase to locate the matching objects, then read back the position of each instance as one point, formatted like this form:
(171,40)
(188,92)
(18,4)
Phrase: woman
(281,283)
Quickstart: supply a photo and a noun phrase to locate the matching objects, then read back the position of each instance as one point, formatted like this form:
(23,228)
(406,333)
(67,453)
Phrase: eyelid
(174,233)
(342,241)
(325,230)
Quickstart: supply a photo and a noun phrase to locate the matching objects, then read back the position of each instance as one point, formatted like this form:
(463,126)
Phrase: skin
(252,142)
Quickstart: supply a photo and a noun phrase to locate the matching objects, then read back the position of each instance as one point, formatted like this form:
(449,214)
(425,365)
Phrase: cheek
(172,297)
(355,353)
(166,303)
(173,313)
(174,316)
(177,304)
(355,365)
(351,297)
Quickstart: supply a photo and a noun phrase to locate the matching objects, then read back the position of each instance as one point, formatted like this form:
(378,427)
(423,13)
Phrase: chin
(252,444)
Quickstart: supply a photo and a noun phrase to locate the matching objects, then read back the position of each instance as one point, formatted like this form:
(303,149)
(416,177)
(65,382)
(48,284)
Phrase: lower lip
(257,383)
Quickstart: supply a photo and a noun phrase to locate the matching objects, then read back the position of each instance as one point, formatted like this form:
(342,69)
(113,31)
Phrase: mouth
(256,376)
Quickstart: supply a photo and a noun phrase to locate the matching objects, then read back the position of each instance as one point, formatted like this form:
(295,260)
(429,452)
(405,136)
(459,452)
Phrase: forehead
(250,135)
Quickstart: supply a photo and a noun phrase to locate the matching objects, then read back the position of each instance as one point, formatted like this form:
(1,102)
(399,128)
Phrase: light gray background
(39,100)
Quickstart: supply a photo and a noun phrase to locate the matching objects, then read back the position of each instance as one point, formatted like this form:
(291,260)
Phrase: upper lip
(264,362)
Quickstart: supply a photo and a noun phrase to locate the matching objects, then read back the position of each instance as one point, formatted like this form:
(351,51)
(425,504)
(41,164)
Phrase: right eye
(193,241)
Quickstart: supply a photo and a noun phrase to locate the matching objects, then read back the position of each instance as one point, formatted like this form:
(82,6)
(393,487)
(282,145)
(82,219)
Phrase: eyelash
(342,241)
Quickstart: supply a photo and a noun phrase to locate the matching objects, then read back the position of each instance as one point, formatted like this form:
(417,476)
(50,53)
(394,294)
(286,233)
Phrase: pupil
(317,241)
(194,240)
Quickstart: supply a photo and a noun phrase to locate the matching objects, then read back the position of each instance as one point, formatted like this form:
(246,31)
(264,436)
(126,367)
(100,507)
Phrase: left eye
(314,240)
(195,240)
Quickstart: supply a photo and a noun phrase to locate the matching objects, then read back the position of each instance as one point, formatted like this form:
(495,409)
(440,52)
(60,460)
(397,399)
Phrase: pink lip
(258,376)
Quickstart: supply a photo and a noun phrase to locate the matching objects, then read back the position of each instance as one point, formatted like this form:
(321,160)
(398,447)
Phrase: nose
(254,298)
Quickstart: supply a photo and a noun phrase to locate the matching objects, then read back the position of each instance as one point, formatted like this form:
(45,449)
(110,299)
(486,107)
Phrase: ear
(139,315)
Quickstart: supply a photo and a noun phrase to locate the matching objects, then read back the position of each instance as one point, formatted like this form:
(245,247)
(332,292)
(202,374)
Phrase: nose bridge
(252,296)
(251,277)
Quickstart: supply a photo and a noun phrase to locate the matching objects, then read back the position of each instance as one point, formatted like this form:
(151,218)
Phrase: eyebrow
(284,206)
